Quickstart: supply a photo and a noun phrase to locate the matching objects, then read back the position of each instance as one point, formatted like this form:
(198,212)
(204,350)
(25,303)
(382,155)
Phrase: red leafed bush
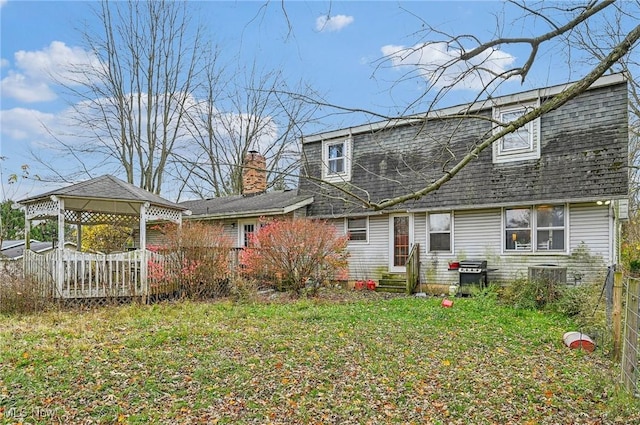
(193,258)
(292,254)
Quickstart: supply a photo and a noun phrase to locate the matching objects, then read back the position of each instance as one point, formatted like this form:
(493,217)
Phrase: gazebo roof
(105,194)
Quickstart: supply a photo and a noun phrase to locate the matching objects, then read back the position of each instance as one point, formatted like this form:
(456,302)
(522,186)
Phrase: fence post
(630,350)
(616,316)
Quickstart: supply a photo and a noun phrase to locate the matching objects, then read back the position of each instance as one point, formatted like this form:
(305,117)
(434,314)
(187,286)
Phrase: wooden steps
(392,282)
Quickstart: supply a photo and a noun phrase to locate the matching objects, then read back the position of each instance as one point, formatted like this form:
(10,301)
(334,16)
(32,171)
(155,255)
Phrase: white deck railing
(87,275)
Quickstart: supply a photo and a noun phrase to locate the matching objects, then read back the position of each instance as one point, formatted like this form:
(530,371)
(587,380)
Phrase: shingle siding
(583,155)
(583,159)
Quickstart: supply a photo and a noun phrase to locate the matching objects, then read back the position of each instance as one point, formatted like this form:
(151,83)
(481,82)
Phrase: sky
(337,47)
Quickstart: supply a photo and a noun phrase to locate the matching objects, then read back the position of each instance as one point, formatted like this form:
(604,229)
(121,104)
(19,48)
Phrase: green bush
(486,297)
(586,306)
(531,294)
(244,289)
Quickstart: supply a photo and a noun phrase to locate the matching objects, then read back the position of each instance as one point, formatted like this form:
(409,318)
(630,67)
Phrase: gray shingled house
(240,214)
(551,194)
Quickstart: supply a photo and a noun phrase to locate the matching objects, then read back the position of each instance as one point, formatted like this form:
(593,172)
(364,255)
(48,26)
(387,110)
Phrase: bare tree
(158,104)
(133,97)
(470,59)
(255,115)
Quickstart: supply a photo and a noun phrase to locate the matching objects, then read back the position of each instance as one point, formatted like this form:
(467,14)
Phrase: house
(550,194)
(14,249)
(240,214)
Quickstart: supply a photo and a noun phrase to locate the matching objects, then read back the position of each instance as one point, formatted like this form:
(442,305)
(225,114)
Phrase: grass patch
(398,360)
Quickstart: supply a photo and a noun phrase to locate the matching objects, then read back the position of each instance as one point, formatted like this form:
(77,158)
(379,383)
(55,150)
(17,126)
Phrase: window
(518,140)
(521,144)
(439,228)
(518,224)
(336,160)
(537,229)
(550,228)
(357,228)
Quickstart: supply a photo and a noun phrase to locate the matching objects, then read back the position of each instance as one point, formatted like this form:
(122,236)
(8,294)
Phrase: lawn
(366,360)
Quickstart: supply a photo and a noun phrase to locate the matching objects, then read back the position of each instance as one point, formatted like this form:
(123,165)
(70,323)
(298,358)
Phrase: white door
(246,229)
(400,241)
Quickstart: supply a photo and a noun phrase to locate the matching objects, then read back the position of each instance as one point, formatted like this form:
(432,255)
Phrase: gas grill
(472,272)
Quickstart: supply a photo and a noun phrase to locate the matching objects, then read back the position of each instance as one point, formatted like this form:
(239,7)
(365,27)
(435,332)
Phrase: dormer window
(336,164)
(521,144)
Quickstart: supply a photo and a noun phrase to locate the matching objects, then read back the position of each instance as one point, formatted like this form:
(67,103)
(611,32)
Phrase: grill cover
(473,264)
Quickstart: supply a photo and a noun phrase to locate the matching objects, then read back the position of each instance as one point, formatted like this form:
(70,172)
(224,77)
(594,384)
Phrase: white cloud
(3,63)
(24,89)
(56,61)
(25,124)
(438,64)
(37,70)
(332,23)
(3,2)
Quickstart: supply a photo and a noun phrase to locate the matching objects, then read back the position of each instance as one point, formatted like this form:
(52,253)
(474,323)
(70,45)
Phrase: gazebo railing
(89,275)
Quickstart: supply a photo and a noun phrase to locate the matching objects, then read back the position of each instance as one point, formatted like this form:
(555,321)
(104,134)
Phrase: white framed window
(521,144)
(357,229)
(439,229)
(336,160)
(535,229)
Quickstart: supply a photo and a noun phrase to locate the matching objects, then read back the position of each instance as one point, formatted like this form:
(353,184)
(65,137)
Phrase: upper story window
(357,229)
(535,229)
(521,144)
(336,160)
(439,228)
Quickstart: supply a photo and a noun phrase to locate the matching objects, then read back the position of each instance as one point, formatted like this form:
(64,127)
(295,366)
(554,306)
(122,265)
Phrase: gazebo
(73,274)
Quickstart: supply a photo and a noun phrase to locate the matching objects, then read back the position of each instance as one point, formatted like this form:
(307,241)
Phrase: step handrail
(413,268)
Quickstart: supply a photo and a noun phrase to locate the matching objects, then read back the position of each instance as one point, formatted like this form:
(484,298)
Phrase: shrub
(486,297)
(195,260)
(243,289)
(531,294)
(19,295)
(296,254)
(586,304)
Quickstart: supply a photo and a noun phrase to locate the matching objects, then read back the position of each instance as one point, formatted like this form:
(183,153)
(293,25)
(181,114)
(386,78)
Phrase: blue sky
(335,47)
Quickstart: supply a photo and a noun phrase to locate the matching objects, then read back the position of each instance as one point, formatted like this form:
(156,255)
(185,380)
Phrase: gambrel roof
(583,156)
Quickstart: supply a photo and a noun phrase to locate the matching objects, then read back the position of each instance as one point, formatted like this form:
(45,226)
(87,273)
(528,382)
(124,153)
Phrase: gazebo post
(60,251)
(143,250)
(78,231)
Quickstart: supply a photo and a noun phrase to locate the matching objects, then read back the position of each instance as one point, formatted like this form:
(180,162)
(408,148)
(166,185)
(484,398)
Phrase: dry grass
(335,359)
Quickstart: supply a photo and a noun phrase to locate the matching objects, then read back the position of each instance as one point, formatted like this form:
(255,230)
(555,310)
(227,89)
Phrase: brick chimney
(254,174)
